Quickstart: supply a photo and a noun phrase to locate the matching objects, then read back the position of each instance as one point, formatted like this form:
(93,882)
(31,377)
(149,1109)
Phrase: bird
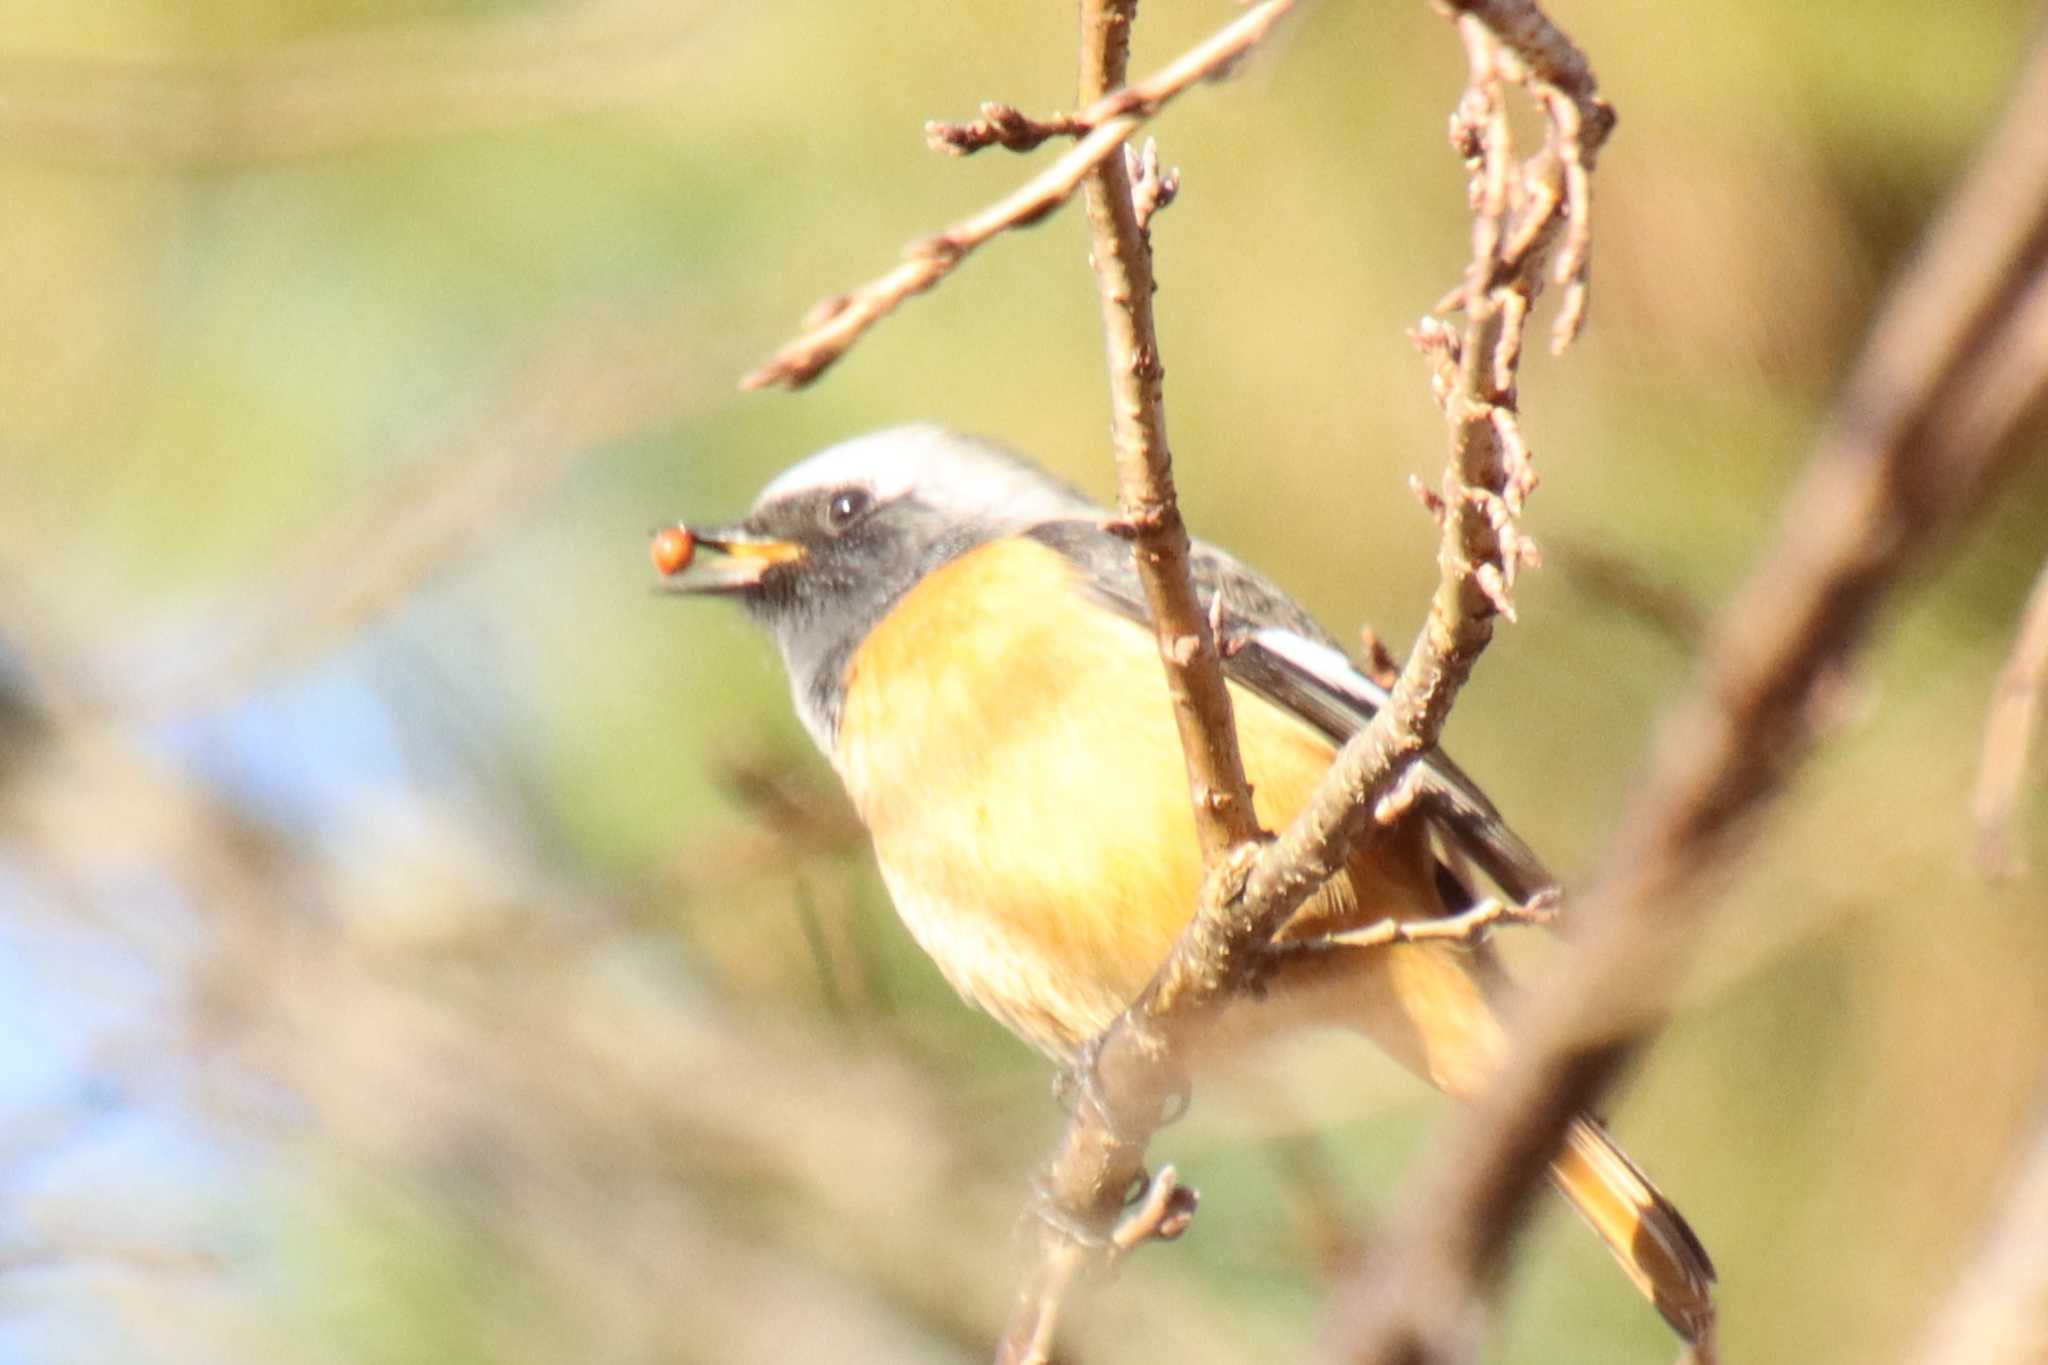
(967,642)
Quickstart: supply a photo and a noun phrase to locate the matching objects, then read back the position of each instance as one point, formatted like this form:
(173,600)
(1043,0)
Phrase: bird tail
(1645,1233)
(1426,1004)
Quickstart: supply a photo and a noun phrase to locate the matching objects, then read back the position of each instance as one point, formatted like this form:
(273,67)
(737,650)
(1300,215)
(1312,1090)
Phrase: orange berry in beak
(674,548)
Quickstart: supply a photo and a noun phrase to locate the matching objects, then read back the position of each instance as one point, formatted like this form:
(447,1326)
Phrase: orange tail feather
(1645,1233)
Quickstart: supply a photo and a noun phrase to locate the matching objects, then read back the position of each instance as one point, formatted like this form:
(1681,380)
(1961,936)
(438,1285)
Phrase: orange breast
(1011,749)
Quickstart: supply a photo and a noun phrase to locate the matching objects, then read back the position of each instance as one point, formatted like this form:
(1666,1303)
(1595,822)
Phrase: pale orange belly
(1030,806)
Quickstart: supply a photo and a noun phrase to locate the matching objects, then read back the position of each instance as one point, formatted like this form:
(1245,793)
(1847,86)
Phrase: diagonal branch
(1916,444)
(836,323)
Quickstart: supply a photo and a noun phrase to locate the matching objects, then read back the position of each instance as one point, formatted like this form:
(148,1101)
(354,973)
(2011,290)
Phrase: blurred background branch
(2009,738)
(1918,441)
(329,96)
(593,381)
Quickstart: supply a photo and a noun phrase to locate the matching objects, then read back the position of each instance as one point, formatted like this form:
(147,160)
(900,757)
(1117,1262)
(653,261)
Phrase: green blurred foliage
(269,262)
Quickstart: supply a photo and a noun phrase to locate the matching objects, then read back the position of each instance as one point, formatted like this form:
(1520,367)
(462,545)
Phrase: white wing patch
(1324,664)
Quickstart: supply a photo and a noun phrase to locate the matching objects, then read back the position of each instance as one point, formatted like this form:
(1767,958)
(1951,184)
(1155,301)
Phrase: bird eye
(846,504)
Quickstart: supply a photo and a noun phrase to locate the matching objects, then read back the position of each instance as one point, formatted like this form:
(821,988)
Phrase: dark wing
(1277,649)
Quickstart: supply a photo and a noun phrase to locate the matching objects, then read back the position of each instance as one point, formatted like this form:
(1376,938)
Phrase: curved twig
(836,323)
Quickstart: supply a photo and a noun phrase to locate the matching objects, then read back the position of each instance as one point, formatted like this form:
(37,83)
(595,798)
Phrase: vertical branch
(1083,1186)
(1150,512)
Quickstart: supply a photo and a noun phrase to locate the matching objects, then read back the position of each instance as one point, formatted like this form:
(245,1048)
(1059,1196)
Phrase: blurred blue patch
(67,988)
(296,756)
(108,1169)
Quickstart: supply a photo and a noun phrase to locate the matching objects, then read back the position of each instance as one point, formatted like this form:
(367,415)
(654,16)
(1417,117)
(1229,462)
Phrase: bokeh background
(419,941)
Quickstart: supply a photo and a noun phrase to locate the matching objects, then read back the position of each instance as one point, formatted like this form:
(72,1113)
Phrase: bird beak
(717,559)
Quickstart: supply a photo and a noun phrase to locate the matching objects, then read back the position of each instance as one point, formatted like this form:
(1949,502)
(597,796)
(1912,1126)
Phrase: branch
(1149,511)
(1153,186)
(1130,1073)
(1003,125)
(2009,738)
(1470,925)
(1486,477)
(836,323)
(1915,445)
(1464,927)
(1514,40)
(1162,1210)
(1082,1188)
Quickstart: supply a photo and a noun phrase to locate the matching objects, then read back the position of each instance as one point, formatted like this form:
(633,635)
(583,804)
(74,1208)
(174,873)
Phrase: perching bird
(968,645)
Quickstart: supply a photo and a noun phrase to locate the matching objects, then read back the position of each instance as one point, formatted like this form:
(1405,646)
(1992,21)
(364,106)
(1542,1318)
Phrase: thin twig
(1148,509)
(1132,1067)
(1375,660)
(1633,587)
(1160,1214)
(1471,925)
(1004,125)
(1163,1210)
(1463,927)
(2009,738)
(1153,186)
(836,323)
(1534,52)
(1916,443)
